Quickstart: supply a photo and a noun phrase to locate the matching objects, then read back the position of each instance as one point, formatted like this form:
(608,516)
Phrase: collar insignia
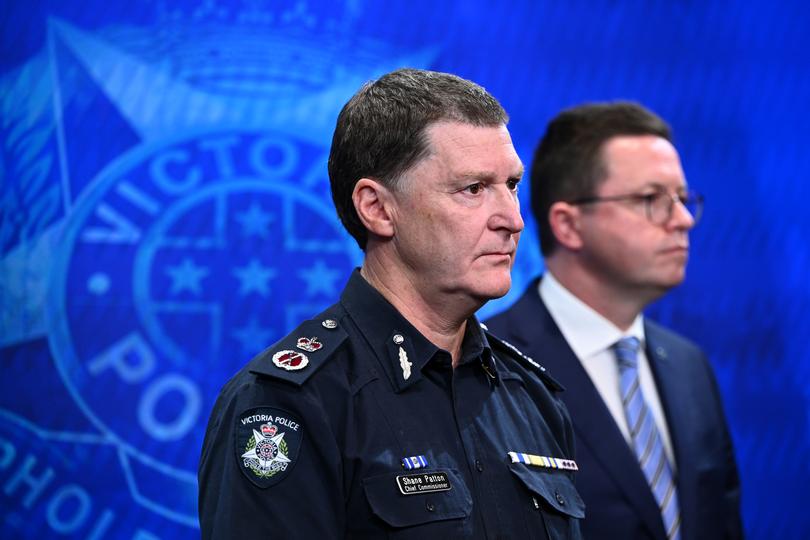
(404,364)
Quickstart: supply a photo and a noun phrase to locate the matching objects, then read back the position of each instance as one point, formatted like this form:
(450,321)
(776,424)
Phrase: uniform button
(559,498)
(479,466)
(430,507)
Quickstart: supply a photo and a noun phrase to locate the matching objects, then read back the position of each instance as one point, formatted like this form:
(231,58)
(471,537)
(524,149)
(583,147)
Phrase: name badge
(427,482)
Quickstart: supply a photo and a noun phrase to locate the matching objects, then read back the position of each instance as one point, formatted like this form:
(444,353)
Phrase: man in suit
(614,213)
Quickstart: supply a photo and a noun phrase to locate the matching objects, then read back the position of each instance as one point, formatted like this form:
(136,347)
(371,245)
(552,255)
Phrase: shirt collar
(475,345)
(401,349)
(387,332)
(586,331)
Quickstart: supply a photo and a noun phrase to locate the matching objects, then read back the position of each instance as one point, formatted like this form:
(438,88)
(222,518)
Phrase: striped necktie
(647,444)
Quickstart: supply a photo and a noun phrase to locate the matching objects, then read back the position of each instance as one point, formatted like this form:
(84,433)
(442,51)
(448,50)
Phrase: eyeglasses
(659,205)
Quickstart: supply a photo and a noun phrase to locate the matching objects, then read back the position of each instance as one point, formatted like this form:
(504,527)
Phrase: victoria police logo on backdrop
(202,232)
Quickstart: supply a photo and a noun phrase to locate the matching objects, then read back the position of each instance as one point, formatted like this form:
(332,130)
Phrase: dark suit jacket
(619,503)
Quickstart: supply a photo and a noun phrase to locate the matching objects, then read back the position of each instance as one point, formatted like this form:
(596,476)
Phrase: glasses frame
(689,198)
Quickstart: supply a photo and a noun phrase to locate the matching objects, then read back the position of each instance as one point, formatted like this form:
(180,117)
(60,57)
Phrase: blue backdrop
(164,215)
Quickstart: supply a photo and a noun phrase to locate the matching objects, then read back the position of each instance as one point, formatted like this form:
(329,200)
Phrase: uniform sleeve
(270,467)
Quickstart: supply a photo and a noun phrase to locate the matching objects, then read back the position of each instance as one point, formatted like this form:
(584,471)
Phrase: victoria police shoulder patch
(267,444)
(296,357)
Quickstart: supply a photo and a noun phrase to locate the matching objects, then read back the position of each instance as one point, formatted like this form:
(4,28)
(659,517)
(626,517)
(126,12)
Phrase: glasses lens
(693,204)
(660,207)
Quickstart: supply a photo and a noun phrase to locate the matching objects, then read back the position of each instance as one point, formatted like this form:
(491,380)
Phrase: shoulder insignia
(267,444)
(525,359)
(298,355)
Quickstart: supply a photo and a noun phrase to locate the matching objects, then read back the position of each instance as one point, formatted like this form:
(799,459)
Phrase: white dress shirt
(591,337)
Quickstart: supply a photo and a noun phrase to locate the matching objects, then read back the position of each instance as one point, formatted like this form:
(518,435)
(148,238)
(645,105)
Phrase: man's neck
(440,320)
(618,305)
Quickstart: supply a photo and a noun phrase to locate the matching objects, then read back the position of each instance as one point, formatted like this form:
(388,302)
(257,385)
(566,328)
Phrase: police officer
(394,413)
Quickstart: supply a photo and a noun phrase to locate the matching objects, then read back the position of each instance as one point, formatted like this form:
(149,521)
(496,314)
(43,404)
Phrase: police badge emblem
(267,444)
(290,360)
(309,344)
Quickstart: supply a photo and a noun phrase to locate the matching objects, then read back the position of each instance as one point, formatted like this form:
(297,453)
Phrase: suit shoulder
(499,320)
(525,306)
(527,362)
(302,352)
(665,338)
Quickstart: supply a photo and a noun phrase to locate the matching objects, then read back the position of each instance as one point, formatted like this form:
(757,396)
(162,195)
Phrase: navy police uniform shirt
(355,425)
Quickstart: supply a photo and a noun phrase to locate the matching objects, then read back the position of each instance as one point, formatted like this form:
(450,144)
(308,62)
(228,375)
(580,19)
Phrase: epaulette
(514,352)
(296,357)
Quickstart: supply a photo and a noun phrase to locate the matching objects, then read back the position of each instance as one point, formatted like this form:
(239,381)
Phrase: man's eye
(512,184)
(655,197)
(474,189)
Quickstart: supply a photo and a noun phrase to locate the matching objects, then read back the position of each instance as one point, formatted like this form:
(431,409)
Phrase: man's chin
(676,278)
(496,289)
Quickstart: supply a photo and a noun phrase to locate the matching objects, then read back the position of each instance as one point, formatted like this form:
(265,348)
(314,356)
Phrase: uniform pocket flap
(413,498)
(554,486)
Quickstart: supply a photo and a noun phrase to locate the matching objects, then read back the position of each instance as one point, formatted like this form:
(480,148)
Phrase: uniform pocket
(559,506)
(554,486)
(428,498)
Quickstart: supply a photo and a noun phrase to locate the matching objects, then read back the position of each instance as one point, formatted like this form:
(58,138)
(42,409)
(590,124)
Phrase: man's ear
(372,202)
(564,219)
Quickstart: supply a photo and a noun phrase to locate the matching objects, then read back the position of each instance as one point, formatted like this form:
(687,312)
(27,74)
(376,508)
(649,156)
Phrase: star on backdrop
(320,278)
(255,221)
(252,337)
(254,277)
(186,276)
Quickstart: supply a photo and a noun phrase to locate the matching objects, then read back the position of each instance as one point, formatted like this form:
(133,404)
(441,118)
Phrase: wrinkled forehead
(459,137)
(472,150)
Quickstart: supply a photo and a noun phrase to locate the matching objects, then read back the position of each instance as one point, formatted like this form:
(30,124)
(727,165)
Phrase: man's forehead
(470,147)
(633,145)
(637,162)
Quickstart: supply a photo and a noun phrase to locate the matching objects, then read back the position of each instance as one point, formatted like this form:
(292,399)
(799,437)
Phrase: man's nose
(506,214)
(681,218)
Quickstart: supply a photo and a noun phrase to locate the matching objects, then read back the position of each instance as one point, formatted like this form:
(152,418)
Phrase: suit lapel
(672,387)
(534,328)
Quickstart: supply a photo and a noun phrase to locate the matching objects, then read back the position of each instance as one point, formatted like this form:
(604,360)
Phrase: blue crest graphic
(209,237)
(196,231)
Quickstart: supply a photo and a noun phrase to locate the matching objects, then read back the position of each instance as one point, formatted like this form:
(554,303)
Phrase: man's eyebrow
(489,175)
(476,174)
(664,187)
